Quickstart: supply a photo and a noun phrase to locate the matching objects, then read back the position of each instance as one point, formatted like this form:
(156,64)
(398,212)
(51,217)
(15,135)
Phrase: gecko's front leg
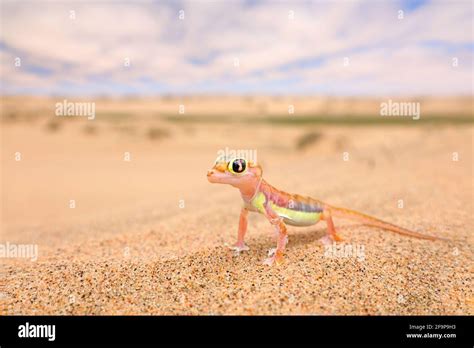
(240,245)
(276,255)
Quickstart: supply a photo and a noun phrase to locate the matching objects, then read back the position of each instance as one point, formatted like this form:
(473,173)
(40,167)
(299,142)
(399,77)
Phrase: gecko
(282,208)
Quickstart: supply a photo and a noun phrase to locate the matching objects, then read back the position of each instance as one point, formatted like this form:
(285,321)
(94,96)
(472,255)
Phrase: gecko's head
(237,172)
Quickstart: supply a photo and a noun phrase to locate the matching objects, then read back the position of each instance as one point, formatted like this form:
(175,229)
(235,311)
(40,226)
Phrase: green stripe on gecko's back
(294,209)
(296,217)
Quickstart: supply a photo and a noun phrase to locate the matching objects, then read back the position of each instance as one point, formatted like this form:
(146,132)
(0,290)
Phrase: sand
(148,236)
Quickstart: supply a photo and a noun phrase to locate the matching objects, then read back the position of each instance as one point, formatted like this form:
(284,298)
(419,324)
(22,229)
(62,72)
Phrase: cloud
(280,47)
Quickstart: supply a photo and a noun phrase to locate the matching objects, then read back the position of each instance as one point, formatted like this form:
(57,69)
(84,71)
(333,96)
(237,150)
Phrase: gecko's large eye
(237,166)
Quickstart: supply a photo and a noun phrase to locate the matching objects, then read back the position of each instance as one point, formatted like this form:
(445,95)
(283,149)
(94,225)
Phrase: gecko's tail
(373,221)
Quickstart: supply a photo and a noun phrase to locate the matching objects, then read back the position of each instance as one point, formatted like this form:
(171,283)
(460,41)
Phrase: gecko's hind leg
(331,235)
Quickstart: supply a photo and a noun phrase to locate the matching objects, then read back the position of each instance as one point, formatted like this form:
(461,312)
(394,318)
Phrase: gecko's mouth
(216,177)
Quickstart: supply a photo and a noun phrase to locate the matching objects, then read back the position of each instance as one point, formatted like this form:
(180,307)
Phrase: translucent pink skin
(250,183)
(246,183)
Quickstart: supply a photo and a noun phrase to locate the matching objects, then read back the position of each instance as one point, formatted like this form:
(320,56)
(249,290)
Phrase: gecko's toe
(275,258)
(238,247)
(326,240)
(329,239)
(268,261)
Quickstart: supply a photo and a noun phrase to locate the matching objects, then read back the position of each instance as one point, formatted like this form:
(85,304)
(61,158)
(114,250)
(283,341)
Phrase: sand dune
(131,247)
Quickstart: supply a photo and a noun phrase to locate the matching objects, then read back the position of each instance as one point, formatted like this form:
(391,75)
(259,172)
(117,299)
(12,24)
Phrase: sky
(339,47)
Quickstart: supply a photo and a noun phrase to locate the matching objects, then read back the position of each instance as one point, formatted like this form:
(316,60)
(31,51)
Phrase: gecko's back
(295,210)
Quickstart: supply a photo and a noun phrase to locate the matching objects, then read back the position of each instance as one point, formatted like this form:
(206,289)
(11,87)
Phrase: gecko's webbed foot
(275,257)
(238,247)
(329,239)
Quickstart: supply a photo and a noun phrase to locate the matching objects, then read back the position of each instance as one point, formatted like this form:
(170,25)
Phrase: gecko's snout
(215,176)
(210,175)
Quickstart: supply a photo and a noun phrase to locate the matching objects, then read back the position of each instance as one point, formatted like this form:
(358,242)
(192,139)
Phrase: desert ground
(149,235)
